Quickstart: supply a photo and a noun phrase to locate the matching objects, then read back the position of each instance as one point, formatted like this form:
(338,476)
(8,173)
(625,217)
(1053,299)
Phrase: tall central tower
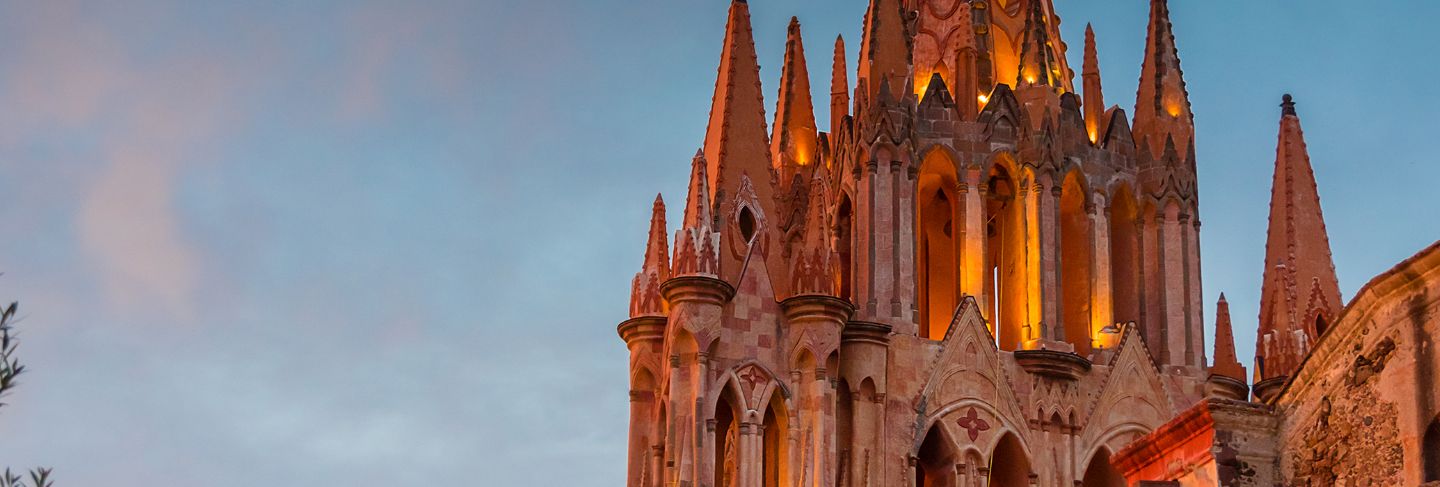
(975,277)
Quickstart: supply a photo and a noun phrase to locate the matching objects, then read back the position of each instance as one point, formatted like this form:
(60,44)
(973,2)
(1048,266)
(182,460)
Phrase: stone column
(1151,321)
(972,254)
(644,336)
(905,303)
(694,305)
(1049,199)
(709,451)
(1030,195)
(1173,272)
(1189,307)
(866,267)
(884,252)
(673,446)
(704,457)
(1197,306)
(1102,294)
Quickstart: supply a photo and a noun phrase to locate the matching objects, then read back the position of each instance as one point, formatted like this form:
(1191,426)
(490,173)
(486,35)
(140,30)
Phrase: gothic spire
(839,90)
(735,141)
(645,297)
(884,50)
(1226,364)
(1300,294)
(813,267)
(1094,95)
(794,141)
(697,199)
(1037,61)
(737,149)
(695,242)
(1162,104)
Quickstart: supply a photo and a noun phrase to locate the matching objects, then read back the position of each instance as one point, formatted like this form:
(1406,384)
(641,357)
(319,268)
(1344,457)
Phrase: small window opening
(747,224)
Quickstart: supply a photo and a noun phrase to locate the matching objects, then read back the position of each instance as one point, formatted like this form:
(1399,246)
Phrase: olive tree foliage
(10,368)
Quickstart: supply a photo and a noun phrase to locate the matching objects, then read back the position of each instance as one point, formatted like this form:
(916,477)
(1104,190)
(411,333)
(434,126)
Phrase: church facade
(978,275)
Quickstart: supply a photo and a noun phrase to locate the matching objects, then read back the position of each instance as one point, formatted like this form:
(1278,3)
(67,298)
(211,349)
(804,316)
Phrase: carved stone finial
(1287,105)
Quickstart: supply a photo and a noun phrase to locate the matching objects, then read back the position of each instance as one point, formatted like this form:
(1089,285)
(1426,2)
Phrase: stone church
(979,275)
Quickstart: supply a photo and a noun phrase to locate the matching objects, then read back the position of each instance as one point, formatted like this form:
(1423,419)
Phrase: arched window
(935,462)
(1100,473)
(1124,257)
(938,241)
(1076,248)
(774,443)
(1005,275)
(1009,466)
(727,445)
(747,224)
(1430,449)
(844,243)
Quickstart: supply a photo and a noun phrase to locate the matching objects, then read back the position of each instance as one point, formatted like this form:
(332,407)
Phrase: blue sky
(387,243)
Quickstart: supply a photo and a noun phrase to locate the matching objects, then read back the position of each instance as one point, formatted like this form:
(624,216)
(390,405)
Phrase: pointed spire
(735,141)
(794,141)
(1037,60)
(1162,104)
(697,200)
(645,297)
(839,89)
(657,249)
(813,266)
(737,151)
(1300,294)
(1226,364)
(884,50)
(695,242)
(1094,95)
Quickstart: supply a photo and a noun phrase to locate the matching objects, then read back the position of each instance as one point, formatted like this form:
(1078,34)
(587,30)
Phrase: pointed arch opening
(1320,326)
(844,243)
(1006,60)
(1077,248)
(1009,466)
(727,442)
(935,462)
(1101,473)
(773,435)
(1431,450)
(937,228)
(747,224)
(642,408)
(1005,275)
(1124,257)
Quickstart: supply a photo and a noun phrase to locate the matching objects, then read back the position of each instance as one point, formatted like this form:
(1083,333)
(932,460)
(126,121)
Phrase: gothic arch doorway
(938,239)
(1124,257)
(935,462)
(844,243)
(1005,276)
(1077,249)
(1100,473)
(1009,465)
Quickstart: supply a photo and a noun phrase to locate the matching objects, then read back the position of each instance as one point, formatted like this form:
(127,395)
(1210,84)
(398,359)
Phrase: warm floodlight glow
(984,99)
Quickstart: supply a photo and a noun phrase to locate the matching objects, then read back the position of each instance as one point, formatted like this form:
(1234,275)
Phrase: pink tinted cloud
(74,74)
